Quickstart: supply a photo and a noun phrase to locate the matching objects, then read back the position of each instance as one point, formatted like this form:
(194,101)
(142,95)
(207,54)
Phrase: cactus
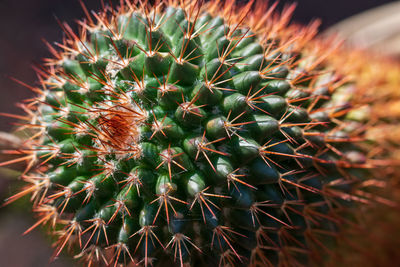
(186,132)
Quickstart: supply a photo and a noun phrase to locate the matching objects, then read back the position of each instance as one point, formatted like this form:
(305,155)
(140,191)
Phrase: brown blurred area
(23,24)
(376,30)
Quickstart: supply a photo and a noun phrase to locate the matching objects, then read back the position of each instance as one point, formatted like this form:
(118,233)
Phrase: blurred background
(23,25)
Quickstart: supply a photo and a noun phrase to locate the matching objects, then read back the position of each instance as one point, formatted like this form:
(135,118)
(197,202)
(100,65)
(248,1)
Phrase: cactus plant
(184,131)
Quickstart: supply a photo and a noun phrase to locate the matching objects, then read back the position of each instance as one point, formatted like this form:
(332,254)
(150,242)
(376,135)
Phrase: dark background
(23,23)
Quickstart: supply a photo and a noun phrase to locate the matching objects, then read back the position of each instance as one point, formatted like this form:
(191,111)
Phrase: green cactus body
(177,133)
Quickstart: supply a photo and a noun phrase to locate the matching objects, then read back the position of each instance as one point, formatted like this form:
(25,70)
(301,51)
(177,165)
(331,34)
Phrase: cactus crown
(190,132)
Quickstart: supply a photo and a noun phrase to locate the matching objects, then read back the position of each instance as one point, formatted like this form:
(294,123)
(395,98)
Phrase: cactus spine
(188,132)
